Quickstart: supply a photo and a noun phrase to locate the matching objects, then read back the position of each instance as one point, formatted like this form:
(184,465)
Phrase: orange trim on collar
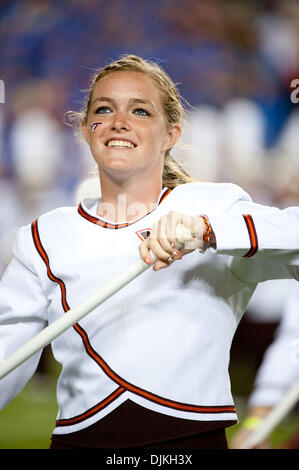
(103,223)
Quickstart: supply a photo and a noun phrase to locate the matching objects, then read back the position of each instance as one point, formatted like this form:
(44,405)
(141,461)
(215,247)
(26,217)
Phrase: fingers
(162,231)
(144,251)
(159,264)
(163,242)
(152,245)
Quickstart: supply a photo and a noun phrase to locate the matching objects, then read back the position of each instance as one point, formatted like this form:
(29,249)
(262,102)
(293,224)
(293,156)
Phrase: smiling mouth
(120,144)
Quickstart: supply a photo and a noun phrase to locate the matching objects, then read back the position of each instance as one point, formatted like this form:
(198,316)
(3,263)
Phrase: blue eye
(103,110)
(141,112)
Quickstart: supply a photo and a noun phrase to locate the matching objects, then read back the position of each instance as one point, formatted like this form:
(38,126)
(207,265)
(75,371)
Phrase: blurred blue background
(233,62)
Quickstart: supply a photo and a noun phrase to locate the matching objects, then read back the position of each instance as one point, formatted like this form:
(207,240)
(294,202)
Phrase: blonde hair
(173,173)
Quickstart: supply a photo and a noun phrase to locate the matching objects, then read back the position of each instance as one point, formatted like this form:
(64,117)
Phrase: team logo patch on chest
(144,233)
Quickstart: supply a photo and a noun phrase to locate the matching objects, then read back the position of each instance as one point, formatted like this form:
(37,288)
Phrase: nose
(120,122)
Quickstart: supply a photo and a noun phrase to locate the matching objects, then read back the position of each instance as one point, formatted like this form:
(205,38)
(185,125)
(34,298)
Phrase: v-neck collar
(85,211)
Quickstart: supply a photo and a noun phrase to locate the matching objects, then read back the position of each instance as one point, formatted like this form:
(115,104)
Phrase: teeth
(120,143)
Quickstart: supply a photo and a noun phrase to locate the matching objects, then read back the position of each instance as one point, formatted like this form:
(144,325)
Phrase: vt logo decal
(143,234)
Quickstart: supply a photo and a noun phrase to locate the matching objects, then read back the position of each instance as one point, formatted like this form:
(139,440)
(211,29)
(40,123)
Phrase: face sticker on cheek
(94,126)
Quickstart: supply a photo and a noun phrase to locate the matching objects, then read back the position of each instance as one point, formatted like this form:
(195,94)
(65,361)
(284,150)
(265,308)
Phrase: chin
(117,170)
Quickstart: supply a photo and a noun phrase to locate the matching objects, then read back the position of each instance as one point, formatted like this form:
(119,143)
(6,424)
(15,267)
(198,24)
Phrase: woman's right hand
(163,241)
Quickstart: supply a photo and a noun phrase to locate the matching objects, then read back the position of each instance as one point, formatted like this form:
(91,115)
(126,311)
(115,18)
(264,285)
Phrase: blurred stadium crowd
(233,62)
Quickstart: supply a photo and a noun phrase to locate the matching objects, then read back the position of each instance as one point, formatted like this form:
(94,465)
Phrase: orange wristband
(208,235)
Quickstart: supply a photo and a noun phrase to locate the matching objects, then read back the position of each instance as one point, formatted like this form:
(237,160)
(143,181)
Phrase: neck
(128,201)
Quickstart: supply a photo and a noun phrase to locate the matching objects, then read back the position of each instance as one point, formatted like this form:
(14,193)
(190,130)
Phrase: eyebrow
(132,100)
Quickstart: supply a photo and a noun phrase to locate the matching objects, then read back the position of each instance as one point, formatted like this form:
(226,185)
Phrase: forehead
(128,84)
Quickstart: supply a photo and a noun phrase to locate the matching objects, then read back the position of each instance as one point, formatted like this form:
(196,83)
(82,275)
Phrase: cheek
(160,136)
(94,125)
(156,132)
(96,129)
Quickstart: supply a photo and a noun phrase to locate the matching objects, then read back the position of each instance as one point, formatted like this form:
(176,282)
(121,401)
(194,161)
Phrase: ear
(173,135)
(85,132)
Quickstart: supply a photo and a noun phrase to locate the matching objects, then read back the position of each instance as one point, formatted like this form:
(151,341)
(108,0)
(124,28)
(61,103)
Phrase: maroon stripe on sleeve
(252,236)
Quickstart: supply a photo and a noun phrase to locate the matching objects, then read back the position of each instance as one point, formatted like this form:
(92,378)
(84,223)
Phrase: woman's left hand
(163,241)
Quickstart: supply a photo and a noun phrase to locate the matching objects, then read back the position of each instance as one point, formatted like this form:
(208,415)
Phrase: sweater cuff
(235,234)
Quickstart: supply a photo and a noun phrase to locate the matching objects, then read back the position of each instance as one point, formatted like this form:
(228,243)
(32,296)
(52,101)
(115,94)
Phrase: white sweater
(163,341)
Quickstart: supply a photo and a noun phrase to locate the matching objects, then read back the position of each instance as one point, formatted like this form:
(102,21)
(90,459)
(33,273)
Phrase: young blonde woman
(149,367)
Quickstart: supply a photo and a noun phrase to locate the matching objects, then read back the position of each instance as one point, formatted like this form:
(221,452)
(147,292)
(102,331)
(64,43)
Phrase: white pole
(56,328)
(276,415)
(71,317)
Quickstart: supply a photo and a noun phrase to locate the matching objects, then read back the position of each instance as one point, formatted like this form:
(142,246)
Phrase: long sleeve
(262,242)
(23,313)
